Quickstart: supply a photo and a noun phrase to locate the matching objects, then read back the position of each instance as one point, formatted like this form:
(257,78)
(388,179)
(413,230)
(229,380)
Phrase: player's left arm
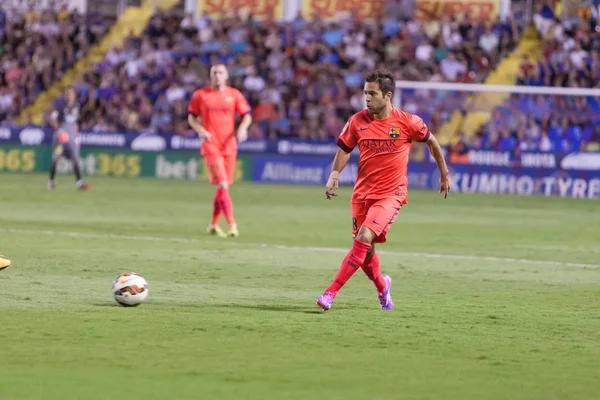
(421,133)
(242,131)
(438,155)
(243,108)
(54,119)
(77,113)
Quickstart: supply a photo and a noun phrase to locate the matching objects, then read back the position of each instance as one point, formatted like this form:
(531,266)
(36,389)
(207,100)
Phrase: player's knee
(366,235)
(223,185)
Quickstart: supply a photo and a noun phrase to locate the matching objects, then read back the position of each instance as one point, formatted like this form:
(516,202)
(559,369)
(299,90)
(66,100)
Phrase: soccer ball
(130,289)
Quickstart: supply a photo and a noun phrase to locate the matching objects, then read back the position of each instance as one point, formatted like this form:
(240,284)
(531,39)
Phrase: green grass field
(236,318)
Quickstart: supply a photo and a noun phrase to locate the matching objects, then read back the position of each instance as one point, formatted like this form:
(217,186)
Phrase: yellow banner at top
(330,9)
(478,10)
(259,9)
(427,10)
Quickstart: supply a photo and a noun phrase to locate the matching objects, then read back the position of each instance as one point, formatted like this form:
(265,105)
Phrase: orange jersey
(217,109)
(384,147)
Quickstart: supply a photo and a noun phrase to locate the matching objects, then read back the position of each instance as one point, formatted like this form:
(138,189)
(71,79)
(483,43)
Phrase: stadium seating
(36,48)
(303,78)
(571,58)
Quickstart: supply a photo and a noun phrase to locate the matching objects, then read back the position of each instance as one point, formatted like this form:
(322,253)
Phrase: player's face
(218,75)
(374,97)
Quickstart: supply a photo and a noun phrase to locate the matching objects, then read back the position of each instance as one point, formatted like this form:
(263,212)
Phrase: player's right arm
(195,116)
(196,124)
(346,143)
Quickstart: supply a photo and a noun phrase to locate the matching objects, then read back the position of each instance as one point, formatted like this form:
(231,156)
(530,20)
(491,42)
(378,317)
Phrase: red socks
(217,208)
(356,259)
(227,205)
(353,261)
(222,204)
(371,269)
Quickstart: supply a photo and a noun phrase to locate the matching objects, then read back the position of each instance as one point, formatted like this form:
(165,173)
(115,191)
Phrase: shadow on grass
(108,304)
(260,307)
(269,307)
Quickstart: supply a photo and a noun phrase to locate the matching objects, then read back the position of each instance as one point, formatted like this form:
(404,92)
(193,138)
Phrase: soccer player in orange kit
(212,115)
(383,135)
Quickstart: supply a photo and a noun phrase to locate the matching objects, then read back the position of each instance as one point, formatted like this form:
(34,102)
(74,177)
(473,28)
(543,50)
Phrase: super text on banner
(478,10)
(329,9)
(259,9)
(426,10)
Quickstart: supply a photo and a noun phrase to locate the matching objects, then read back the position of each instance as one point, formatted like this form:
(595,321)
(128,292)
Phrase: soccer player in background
(383,135)
(212,115)
(65,140)
(4,262)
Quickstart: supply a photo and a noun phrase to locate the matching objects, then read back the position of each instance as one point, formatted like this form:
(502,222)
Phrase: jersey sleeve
(241,105)
(419,131)
(348,138)
(195,106)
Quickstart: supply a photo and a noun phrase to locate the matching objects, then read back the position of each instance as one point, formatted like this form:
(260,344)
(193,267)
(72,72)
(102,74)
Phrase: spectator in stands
(37,47)
(302,78)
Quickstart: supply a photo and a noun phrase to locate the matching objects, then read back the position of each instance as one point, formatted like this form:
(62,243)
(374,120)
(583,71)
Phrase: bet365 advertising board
(295,162)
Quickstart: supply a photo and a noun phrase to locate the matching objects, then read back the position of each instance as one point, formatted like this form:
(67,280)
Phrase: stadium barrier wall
(96,161)
(466,178)
(28,149)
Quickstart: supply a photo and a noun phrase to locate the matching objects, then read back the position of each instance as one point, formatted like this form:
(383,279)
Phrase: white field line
(297,248)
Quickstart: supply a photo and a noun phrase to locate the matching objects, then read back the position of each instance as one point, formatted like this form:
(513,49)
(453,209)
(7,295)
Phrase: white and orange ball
(130,289)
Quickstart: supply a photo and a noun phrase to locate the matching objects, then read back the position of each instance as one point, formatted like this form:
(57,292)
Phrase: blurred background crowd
(304,77)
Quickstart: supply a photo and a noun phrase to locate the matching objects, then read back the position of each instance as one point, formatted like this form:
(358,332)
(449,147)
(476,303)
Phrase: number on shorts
(214,171)
(354,224)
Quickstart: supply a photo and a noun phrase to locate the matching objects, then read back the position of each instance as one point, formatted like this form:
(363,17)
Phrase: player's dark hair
(384,78)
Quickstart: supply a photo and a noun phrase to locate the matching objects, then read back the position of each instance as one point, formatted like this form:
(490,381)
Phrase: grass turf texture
(231,319)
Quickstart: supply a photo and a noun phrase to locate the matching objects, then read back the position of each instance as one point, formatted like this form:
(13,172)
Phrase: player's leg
(364,237)
(229,161)
(4,262)
(59,141)
(216,175)
(367,265)
(71,155)
(383,283)
(380,218)
(57,154)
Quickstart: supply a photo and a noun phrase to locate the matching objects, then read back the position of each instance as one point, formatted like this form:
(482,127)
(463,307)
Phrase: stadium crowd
(36,48)
(302,78)
(547,123)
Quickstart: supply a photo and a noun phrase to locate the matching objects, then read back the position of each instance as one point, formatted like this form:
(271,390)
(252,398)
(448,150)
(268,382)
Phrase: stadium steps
(133,20)
(480,105)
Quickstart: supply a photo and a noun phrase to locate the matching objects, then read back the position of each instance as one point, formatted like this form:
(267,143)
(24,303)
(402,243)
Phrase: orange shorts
(377,215)
(221,168)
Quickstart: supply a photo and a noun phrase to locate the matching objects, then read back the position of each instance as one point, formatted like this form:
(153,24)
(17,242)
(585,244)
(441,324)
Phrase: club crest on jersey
(228,99)
(394,133)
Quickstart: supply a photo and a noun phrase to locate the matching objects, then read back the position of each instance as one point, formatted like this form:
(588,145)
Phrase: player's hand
(204,134)
(332,183)
(445,183)
(242,134)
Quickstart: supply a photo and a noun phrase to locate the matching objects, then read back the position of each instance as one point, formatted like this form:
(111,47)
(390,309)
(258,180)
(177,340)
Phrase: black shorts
(65,150)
